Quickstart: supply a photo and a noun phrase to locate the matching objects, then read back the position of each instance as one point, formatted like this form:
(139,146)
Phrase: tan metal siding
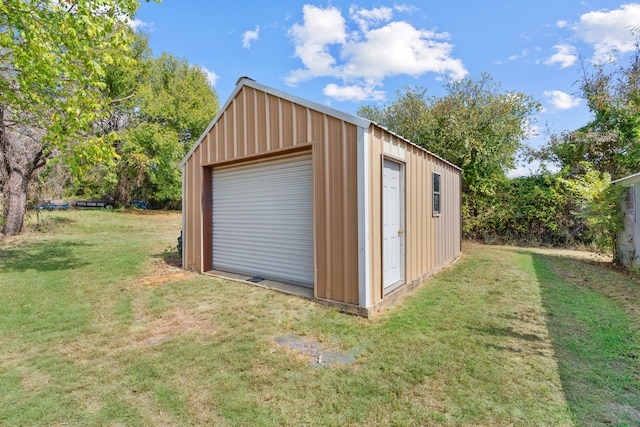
(191,235)
(430,242)
(262,116)
(257,124)
(336,208)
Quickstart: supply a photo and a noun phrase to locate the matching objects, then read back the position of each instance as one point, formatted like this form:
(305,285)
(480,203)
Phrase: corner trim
(364,241)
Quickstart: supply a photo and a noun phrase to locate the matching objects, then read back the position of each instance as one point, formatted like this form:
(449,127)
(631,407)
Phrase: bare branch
(115,101)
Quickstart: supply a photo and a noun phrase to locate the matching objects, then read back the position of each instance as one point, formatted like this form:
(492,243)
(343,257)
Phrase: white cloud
(312,39)
(212,77)
(250,36)
(367,17)
(609,30)
(400,48)
(363,57)
(522,170)
(515,57)
(405,8)
(561,24)
(521,55)
(353,93)
(561,100)
(140,25)
(565,55)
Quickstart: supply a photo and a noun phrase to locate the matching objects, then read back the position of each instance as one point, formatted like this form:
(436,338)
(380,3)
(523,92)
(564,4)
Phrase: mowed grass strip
(594,314)
(99,328)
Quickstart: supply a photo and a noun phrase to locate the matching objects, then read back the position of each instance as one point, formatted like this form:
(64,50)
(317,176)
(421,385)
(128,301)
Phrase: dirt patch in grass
(146,332)
(13,359)
(165,277)
(176,321)
(428,394)
(35,380)
(164,272)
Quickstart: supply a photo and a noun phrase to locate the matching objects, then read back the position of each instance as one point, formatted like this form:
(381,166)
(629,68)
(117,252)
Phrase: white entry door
(392,225)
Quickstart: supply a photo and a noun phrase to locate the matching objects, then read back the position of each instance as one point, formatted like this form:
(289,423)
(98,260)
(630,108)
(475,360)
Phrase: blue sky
(346,54)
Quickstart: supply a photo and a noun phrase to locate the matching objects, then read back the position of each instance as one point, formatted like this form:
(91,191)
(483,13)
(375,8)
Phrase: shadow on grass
(593,333)
(170,256)
(48,221)
(42,257)
(506,332)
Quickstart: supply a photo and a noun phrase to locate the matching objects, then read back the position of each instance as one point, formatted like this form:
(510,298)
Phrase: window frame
(436,194)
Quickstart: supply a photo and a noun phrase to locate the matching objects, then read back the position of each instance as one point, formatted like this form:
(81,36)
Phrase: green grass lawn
(98,327)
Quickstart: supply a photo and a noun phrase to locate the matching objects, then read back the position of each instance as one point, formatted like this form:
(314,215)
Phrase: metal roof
(628,179)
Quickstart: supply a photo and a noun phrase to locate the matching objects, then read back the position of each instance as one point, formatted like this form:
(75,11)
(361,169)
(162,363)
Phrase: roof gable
(332,112)
(246,81)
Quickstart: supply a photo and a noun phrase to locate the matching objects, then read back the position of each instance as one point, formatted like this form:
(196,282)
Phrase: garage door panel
(241,243)
(263,220)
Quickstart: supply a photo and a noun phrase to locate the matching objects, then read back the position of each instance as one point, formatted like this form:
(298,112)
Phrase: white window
(436,194)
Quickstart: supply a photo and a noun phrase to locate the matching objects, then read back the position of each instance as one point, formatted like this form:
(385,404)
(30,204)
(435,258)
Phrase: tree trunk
(14,201)
(123,190)
(21,154)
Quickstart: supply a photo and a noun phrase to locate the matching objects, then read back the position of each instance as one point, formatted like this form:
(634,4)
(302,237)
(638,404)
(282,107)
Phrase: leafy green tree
(476,126)
(53,56)
(162,105)
(611,140)
(595,203)
(607,147)
(406,115)
(172,106)
(178,96)
(573,207)
(480,128)
(528,211)
(154,153)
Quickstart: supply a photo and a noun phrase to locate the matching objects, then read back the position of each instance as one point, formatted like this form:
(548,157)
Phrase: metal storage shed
(629,236)
(284,189)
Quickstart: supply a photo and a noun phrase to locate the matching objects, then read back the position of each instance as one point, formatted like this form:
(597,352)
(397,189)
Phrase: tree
(476,126)
(596,204)
(480,128)
(178,96)
(607,147)
(175,103)
(165,104)
(406,115)
(611,140)
(52,64)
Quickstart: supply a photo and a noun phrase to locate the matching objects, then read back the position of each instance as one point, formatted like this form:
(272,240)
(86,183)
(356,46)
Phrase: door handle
(400,231)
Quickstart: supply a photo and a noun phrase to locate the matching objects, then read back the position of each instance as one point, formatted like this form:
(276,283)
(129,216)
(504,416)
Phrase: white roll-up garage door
(263,220)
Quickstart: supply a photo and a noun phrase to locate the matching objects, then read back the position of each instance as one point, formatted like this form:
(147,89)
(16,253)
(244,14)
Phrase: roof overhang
(418,147)
(631,179)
